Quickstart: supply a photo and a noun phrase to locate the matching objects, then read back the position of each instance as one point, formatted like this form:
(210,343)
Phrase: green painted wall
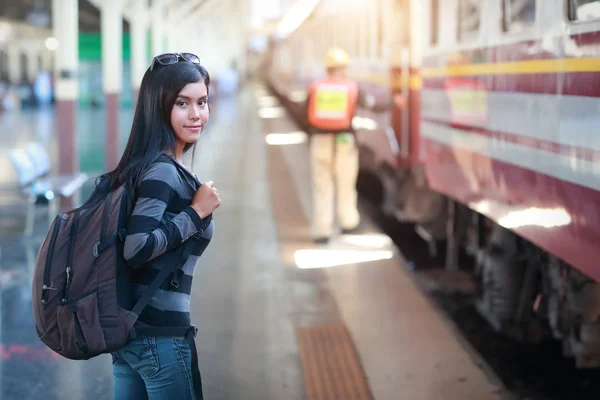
(90,69)
(90,46)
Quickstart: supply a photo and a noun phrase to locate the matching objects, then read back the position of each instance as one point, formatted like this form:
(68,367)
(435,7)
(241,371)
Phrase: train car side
(508,118)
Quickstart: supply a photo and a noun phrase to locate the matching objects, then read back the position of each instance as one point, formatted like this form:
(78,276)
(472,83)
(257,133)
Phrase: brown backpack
(81,284)
(81,296)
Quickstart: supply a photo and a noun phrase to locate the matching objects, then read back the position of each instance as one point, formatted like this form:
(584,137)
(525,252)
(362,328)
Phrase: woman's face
(190,113)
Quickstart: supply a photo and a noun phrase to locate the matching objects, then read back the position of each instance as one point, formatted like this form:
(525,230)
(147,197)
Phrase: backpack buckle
(96,249)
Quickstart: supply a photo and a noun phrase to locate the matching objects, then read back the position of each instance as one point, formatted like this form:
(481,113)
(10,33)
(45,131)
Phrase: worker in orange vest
(331,105)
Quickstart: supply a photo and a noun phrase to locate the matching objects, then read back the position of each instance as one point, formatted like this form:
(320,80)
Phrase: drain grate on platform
(330,364)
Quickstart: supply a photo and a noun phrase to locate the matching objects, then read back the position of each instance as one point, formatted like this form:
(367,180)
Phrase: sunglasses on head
(174,58)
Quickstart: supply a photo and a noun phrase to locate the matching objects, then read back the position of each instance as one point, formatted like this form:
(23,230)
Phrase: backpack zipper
(105,216)
(45,287)
(68,269)
(99,246)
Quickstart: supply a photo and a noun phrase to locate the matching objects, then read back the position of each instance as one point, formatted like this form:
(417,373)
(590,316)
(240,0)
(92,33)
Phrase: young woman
(170,227)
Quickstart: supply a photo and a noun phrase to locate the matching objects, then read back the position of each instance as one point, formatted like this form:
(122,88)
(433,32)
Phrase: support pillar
(3,61)
(157,27)
(65,23)
(14,63)
(173,32)
(179,36)
(363,33)
(416,43)
(242,35)
(387,30)
(139,62)
(373,27)
(47,60)
(111,23)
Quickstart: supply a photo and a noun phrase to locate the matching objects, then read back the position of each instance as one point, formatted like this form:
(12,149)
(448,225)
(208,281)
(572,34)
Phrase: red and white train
(498,152)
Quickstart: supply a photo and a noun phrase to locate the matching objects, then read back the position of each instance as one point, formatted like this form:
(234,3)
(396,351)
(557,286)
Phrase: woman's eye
(181,103)
(202,103)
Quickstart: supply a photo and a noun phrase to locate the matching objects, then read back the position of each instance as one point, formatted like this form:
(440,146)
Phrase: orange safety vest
(332,104)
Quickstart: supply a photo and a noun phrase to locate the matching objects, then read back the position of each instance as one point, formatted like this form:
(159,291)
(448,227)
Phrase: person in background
(331,105)
(228,80)
(42,88)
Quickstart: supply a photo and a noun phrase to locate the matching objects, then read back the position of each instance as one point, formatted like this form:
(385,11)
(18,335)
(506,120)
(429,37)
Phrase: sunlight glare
(317,258)
(279,139)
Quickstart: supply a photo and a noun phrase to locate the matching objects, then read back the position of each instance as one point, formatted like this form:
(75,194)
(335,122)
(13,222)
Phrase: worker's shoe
(322,240)
(353,231)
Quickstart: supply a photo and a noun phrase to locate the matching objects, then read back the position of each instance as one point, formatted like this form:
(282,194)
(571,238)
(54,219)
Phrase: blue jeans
(153,368)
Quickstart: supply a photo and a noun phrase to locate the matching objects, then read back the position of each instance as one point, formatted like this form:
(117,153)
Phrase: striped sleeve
(147,235)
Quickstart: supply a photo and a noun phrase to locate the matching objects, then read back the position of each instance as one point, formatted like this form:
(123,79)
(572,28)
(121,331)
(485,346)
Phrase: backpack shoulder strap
(160,278)
(185,172)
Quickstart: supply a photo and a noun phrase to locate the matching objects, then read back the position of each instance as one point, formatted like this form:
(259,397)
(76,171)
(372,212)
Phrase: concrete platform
(257,286)
(407,348)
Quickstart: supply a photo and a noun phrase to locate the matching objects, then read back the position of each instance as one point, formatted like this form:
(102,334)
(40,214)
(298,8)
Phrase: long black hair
(151,131)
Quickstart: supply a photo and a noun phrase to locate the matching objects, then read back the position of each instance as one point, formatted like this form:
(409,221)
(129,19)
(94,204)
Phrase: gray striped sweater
(162,223)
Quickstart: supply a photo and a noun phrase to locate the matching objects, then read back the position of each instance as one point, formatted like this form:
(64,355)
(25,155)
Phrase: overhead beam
(178,11)
(129,12)
(202,10)
(24,29)
(181,11)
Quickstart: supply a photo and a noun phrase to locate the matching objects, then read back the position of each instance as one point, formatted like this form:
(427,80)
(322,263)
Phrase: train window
(435,22)
(584,10)
(469,18)
(518,15)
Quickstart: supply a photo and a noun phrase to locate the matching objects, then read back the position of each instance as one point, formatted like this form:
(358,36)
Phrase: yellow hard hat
(336,58)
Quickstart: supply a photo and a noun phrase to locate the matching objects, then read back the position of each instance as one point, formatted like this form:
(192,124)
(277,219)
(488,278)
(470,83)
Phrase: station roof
(38,13)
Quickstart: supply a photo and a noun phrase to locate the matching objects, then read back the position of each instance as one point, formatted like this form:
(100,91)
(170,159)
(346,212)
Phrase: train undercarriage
(523,291)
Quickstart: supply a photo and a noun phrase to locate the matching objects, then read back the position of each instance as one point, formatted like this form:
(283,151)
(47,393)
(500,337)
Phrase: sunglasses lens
(171,58)
(166,59)
(191,58)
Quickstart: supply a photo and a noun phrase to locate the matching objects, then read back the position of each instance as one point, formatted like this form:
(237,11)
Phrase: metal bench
(35,179)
